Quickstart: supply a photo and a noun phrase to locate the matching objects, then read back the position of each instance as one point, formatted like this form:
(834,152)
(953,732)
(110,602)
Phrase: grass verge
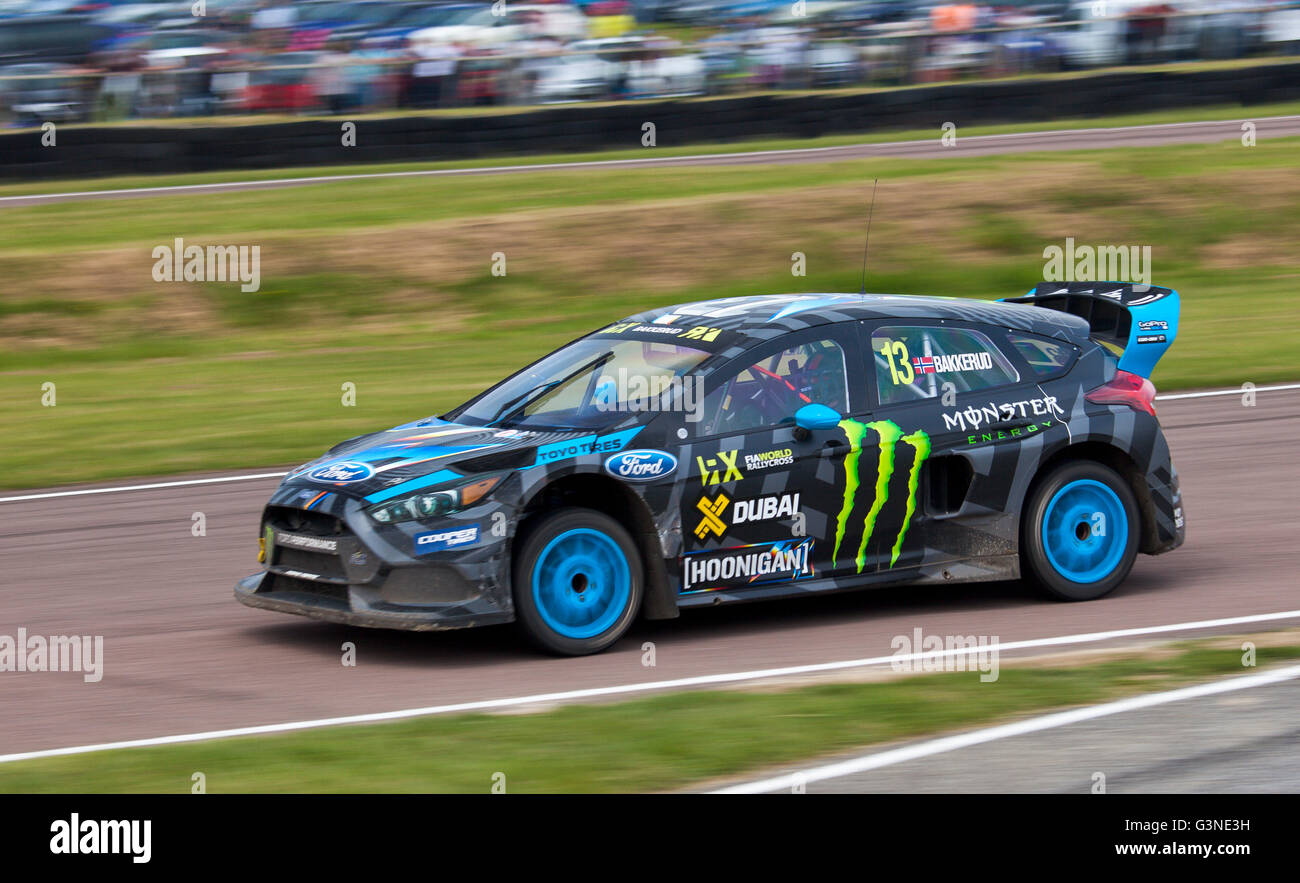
(385,284)
(655,744)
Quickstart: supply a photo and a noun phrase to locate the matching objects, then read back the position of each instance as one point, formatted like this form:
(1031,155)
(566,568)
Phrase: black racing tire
(1079,531)
(577,579)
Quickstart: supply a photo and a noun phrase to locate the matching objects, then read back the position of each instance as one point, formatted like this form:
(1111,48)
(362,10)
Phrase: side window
(768,392)
(1045,356)
(914,362)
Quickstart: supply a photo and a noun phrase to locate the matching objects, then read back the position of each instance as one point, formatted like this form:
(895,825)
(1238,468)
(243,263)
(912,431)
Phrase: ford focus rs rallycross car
(747,448)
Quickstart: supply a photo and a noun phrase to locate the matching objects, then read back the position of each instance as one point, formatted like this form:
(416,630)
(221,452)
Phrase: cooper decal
(441,540)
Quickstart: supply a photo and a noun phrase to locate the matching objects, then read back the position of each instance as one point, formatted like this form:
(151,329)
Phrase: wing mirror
(812,417)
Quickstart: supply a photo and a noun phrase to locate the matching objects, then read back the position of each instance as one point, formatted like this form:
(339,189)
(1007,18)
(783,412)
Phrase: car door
(760,496)
(943,390)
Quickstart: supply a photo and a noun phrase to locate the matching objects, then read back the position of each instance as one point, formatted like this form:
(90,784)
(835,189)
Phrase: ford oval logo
(641,465)
(341,472)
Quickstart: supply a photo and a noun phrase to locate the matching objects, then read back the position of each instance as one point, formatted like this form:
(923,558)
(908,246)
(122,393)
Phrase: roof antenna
(867,244)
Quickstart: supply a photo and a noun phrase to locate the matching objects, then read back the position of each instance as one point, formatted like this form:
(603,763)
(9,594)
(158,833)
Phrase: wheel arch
(618,501)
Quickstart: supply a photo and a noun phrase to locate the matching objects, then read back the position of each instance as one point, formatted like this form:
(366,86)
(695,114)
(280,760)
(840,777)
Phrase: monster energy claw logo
(890,436)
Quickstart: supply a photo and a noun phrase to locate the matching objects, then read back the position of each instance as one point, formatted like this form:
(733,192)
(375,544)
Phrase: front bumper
(355,605)
(333,563)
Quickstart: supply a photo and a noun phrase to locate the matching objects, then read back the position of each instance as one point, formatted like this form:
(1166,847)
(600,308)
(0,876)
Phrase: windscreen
(591,382)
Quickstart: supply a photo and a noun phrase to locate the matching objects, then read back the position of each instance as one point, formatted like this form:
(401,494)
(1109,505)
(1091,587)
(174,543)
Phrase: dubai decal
(712,510)
(889,436)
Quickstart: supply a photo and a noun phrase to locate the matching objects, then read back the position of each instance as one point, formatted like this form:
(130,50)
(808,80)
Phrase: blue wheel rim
(1085,531)
(581,583)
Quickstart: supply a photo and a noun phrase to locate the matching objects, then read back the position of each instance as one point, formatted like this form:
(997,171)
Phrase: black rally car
(748,448)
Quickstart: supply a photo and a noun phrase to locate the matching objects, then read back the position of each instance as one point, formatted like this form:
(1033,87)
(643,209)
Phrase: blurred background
(405,271)
(106,60)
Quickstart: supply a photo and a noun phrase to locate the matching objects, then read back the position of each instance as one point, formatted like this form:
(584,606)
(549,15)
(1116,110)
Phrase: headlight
(431,504)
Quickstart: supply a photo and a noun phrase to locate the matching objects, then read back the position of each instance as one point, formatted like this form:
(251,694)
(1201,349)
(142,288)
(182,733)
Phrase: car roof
(753,319)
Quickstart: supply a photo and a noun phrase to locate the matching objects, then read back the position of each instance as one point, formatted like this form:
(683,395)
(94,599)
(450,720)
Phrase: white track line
(624,689)
(537,167)
(142,487)
(1224,392)
(1006,731)
(262,475)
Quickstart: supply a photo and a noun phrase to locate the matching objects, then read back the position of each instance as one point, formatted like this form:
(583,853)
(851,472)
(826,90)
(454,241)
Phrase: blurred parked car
(833,65)
(342,22)
(284,84)
(479,25)
(417,17)
(67,39)
(574,78)
(40,92)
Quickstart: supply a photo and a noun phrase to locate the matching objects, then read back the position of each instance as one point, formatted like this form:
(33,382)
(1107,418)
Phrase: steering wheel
(777,393)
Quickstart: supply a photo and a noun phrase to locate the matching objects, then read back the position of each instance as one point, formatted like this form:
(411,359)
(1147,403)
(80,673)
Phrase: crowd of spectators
(104,60)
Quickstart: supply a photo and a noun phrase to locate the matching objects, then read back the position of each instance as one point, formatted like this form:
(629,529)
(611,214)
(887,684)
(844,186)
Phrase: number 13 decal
(901,370)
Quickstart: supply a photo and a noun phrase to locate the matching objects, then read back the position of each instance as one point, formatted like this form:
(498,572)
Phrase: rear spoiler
(1142,320)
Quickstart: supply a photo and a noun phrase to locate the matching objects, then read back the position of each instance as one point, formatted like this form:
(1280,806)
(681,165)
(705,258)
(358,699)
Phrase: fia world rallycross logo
(890,435)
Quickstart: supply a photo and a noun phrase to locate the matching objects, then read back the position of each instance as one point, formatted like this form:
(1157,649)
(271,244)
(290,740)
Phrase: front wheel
(1079,531)
(577,582)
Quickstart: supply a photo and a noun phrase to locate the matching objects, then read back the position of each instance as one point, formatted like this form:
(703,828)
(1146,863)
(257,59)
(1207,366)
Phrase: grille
(309,587)
(301,521)
(322,563)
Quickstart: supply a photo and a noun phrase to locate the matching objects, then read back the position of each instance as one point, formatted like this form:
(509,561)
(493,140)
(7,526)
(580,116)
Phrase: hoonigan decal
(760,562)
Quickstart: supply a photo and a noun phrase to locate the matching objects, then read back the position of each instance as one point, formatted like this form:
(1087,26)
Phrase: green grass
(655,744)
(154,379)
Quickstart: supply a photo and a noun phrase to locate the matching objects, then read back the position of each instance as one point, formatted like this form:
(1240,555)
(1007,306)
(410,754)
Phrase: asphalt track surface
(1233,743)
(182,656)
(1201,132)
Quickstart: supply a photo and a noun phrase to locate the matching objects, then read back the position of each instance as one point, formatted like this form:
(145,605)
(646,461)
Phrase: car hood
(432,452)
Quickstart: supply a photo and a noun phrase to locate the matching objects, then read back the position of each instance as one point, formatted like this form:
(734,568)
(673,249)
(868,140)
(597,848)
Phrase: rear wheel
(577,582)
(1079,531)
